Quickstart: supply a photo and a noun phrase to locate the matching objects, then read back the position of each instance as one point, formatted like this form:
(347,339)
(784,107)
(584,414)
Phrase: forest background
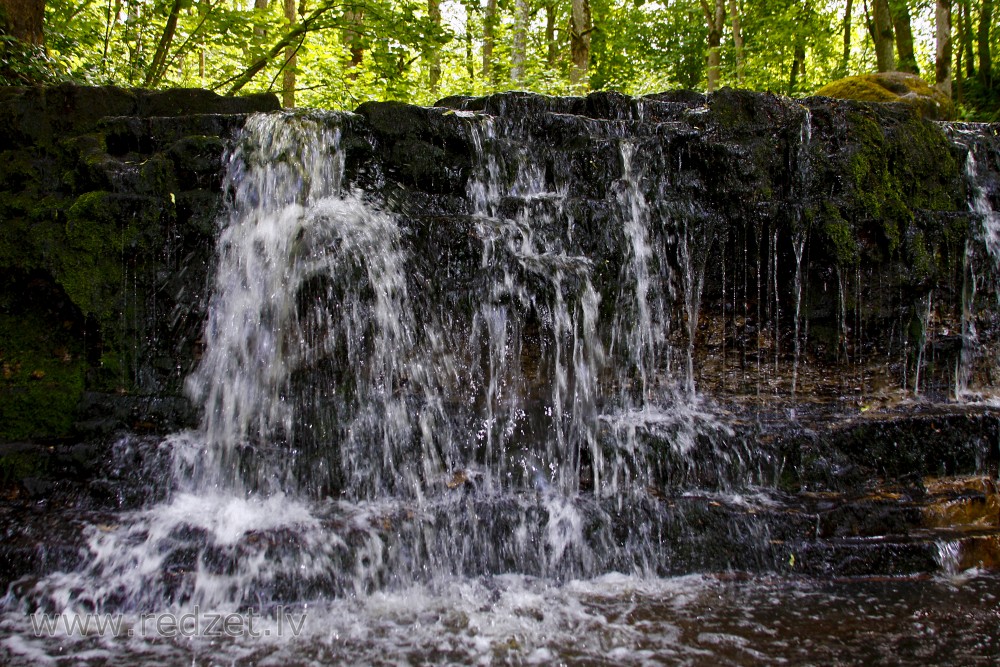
(338,53)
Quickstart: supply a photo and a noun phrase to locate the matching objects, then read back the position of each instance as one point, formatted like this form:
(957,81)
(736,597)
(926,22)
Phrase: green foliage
(637,47)
(771,30)
(27,65)
(644,48)
(351,51)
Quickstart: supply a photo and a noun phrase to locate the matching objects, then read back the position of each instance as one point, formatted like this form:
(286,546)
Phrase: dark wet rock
(875,194)
(846,455)
(109,198)
(39,115)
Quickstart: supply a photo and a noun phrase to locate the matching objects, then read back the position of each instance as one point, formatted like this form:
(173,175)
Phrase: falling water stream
(472,484)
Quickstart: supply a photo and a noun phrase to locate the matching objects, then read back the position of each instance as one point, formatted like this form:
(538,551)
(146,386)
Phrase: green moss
(908,89)
(922,260)
(862,88)
(16,466)
(925,167)
(840,236)
(41,377)
(102,231)
(877,189)
(16,169)
(157,176)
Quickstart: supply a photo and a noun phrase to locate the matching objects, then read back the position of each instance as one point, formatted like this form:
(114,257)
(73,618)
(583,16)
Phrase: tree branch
(297,32)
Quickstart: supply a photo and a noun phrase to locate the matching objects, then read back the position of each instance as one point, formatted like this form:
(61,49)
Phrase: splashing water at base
(693,620)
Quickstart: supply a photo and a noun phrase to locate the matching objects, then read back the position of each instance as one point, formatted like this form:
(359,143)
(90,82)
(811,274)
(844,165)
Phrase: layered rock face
(816,270)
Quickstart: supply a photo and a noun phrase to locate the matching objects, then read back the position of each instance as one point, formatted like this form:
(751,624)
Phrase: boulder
(930,102)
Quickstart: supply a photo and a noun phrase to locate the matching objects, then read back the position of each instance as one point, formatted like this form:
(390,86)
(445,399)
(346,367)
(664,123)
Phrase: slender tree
(966,38)
(715,16)
(906,60)
(942,56)
(846,57)
(883,36)
(489,38)
(470,66)
(985,58)
(261,7)
(550,34)
(288,70)
(157,67)
(734,16)
(959,91)
(580,29)
(434,55)
(519,53)
(798,69)
(354,20)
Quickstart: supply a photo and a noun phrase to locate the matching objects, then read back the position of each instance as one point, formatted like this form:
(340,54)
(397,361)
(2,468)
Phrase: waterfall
(308,277)
(537,283)
(360,432)
(980,267)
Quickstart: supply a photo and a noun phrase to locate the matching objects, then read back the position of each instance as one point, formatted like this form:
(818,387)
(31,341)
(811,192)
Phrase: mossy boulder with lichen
(909,89)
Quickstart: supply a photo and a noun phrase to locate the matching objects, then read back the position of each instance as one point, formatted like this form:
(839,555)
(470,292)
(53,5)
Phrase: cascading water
(502,443)
(307,276)
(980,266)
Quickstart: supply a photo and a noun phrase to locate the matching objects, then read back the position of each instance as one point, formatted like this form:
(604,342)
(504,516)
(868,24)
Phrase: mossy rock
(42,358)
(909,89)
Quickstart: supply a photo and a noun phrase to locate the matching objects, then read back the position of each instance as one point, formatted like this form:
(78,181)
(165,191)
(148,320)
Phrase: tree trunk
(24,20)
(158,67)
(985,59)
(434,55)
(351,37)
(489,34)
(959,95)
(203,8)
(288,73)
(550,35)
(716,19)
(519,53)
(942,56)
(734,16)
(882,34)
(260,6)
(907,61)
(579,35)
(470,66)
(798,64)
(846,57)
(966,45)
